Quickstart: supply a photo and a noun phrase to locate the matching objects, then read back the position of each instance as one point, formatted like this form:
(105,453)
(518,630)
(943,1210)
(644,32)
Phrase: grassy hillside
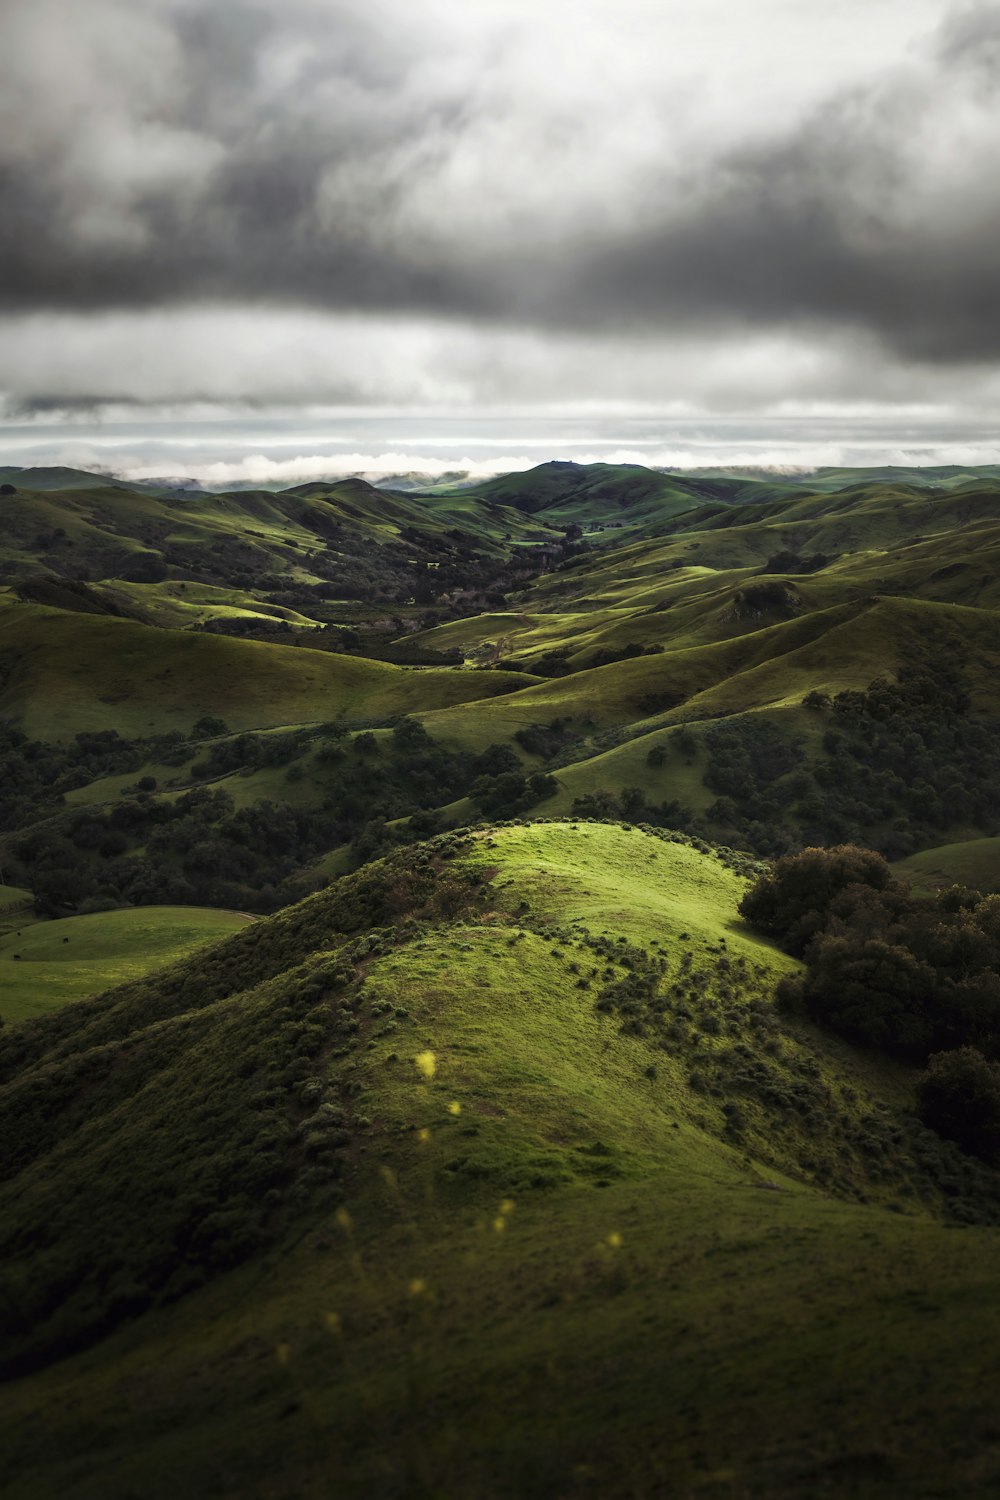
(661,678)
(691,587)
(974,863)
(61,673)
(56,477)
(602,496)
(47,964)
(65,521)
(930,476)
(490,1171)
(772,666)
(12,899)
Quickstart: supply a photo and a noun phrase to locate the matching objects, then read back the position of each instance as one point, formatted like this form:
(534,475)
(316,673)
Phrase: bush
(959,1097)
(208,726)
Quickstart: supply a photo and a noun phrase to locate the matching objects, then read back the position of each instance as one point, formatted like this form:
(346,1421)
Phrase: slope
(56,477)
(305,534)
(974,863)
(48,964)
(61,673)
(600,496)
(490,1171)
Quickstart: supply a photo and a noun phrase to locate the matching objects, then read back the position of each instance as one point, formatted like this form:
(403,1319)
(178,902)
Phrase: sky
(246,241)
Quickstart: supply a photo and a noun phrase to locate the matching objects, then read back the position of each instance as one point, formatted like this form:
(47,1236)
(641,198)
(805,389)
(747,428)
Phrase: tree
(409,735)
(959,1097)
(873,991)
(792,902)
(208,726)
(633,802)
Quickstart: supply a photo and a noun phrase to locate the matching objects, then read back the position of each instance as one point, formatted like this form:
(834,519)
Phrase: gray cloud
(538,167)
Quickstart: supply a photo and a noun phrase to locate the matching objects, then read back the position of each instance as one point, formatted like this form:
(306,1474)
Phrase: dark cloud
(363,158)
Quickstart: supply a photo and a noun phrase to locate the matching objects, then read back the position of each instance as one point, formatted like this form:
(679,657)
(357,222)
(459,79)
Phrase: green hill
(600,496)
(929,476)
(62,673)
(56,478)
(47,964)
(490,1171)
(310,534)
(494,1168)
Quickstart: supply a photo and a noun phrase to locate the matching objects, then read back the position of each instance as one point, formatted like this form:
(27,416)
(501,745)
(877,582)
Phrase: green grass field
(49,964)
(12,898)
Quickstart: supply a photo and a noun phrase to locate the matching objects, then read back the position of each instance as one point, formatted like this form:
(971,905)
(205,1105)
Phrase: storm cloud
(667,182)
(377,157)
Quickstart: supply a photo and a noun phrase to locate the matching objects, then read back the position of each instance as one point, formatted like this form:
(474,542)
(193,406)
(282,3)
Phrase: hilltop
(623,496)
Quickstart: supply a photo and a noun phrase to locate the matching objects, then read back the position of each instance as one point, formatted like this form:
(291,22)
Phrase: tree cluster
(917,977)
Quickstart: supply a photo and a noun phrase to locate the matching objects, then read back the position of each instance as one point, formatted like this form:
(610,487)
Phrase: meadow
(49,964)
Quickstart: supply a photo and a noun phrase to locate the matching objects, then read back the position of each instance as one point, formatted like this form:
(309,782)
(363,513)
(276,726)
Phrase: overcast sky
(409,233)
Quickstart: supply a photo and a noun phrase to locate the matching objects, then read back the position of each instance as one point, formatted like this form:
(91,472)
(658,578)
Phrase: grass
(627,497)
(65,672)
(50,964)
(547,1266)
(180,605)
(729,1346)
(108,525)
(975,863)
(13,898)
(906,567)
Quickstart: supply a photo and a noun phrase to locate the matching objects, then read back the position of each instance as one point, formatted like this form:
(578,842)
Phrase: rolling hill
(501,1165)
(660,669)
(61,673)
(602,496)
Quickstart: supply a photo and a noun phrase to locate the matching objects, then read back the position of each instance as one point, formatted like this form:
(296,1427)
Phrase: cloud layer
(520,198)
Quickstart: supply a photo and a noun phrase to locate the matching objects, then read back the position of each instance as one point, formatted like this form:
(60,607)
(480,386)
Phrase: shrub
(208,726)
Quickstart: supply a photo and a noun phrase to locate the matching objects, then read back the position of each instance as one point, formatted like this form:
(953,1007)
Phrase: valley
(426,1069)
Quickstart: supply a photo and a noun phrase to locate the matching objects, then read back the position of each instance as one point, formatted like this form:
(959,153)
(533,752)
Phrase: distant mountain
(59,479)
(939,476)
(617,495)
